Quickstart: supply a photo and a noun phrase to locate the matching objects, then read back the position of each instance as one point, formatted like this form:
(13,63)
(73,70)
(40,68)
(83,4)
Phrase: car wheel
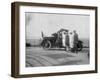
(47,45)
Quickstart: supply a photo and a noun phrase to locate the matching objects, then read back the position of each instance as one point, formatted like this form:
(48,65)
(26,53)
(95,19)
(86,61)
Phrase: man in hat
(75,42)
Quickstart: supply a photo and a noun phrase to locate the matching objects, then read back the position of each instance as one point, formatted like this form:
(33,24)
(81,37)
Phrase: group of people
(69,40)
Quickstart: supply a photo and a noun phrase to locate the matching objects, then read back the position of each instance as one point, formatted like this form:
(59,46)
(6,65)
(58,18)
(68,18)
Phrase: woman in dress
(71,41)
(64,39)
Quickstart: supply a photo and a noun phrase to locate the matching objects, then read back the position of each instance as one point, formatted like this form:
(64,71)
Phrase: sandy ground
(36,57)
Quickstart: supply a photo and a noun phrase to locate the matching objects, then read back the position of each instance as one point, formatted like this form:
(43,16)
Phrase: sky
(50,23)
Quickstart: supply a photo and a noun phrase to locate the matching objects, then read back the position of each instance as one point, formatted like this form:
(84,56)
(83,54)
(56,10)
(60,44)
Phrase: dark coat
(75,42)
(59,40)
(75,38)
(67,40)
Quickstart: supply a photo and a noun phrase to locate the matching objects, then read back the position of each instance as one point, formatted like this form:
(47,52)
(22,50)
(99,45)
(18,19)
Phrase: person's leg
(71,46)
(76,49)
(67,48)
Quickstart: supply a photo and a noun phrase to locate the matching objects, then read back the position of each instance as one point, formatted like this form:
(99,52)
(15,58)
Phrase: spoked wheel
(47,45)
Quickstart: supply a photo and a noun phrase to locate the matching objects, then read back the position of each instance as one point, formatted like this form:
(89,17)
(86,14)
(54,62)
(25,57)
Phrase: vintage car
(52,42)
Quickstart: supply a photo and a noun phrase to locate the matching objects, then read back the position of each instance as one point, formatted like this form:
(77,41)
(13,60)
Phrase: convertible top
(61,30)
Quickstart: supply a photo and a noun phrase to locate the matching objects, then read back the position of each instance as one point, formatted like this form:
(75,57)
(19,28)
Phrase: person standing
(67,41)
(59,39)
(75,41)
(71,41)
(63,38)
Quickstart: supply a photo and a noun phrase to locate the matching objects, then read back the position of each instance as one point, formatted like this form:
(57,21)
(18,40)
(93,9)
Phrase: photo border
(15,32)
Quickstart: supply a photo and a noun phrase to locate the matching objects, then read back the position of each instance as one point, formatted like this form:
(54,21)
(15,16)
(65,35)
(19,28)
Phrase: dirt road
(36,57)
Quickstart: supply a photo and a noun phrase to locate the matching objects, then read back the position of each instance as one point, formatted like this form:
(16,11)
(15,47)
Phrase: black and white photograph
(52,39)
(57,39)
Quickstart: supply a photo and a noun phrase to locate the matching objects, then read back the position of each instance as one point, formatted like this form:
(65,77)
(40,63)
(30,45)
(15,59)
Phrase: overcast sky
(51,23)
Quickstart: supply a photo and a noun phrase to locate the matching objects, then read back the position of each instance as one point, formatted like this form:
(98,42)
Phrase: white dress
(71,41)
(63,39)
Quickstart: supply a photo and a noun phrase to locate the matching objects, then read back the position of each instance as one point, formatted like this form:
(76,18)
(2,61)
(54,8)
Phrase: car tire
(47,45)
